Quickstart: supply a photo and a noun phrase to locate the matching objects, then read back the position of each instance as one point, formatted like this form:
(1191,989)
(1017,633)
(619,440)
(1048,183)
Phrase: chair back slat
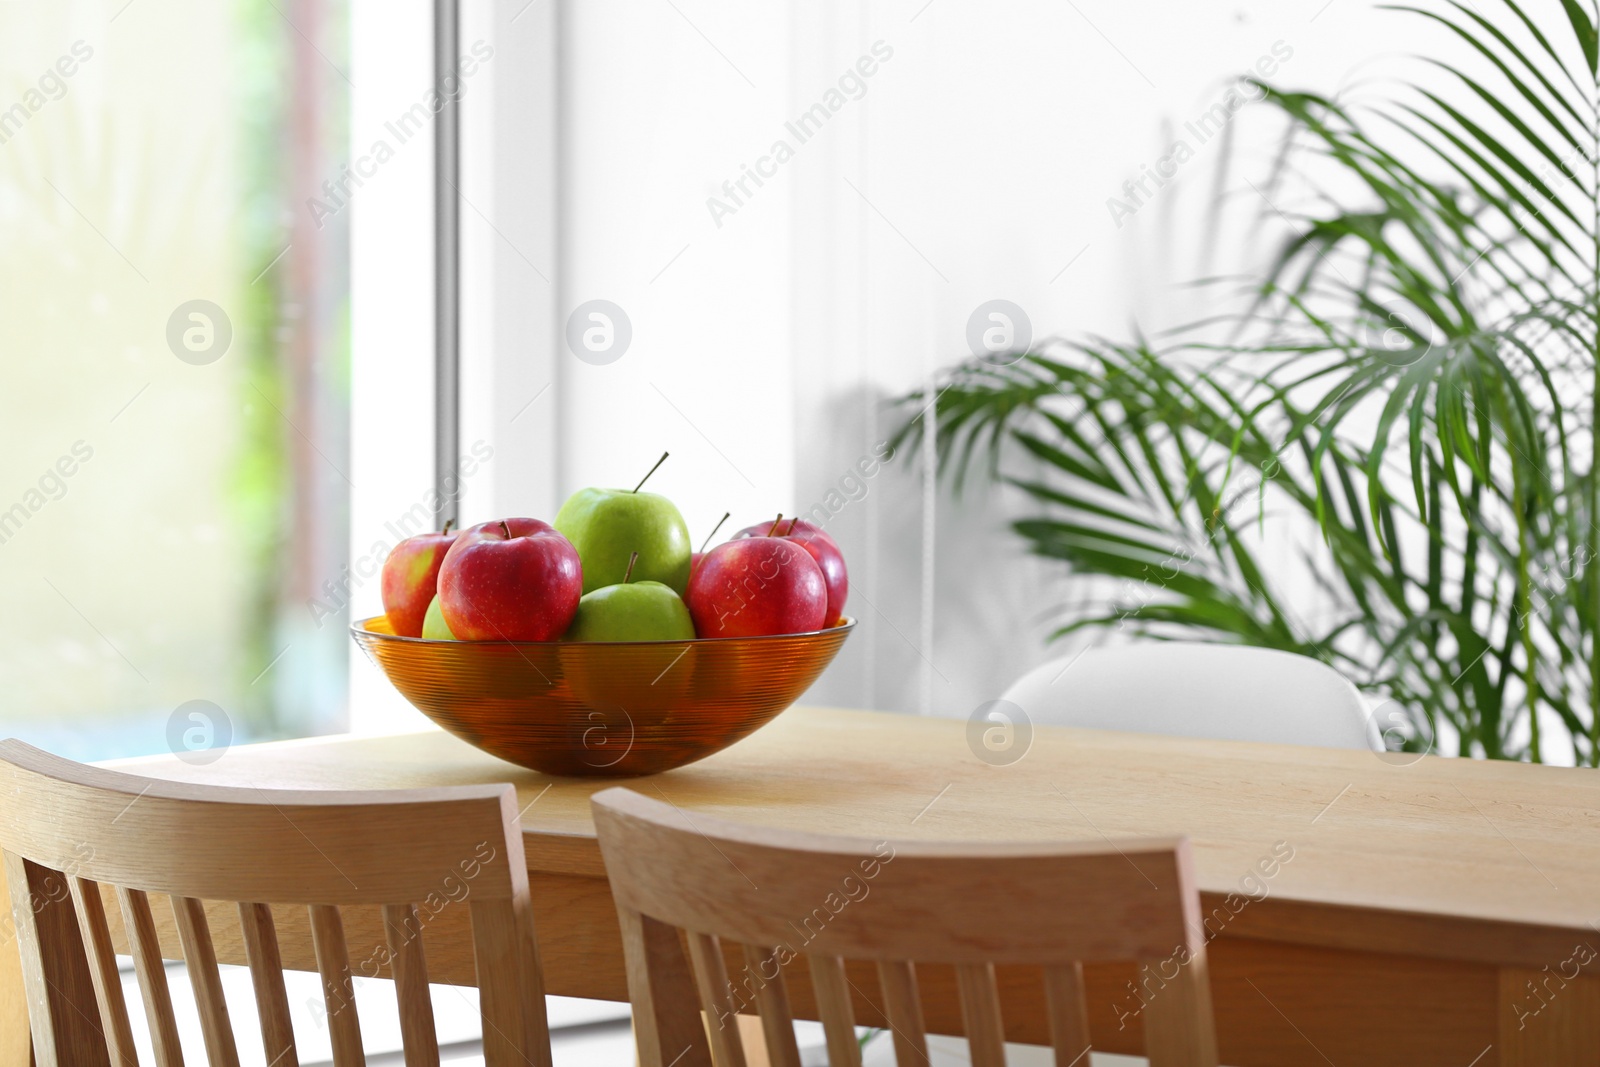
(107,978)
(771,995)
(72,836)
(1178,1026)
(58,982)
(509,978)
(144,945)
(194,933)
(409,968)
(711,981)
(838,1014)
(1069,1013)
(266,977)
(716,999)
(1050,906)
(903,1007)
(667,1024)
(980,1014)
(338,988)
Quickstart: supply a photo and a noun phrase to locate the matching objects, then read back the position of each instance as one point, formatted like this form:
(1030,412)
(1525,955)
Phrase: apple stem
(652,470)
(506,528)
(714,529)
(792,523)
(629,572)
(447,524)
(775,524)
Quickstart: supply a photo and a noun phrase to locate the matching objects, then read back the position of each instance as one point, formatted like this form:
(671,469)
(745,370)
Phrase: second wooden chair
(782,896)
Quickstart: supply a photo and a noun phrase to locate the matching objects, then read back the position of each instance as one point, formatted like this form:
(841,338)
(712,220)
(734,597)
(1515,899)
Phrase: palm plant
(1413,378)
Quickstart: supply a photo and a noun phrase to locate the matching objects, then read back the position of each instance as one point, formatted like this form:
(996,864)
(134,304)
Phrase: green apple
(607,526)
(434,628)
(636,611)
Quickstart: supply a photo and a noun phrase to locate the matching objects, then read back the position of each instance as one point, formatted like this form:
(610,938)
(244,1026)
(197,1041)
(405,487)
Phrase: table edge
(1455,938)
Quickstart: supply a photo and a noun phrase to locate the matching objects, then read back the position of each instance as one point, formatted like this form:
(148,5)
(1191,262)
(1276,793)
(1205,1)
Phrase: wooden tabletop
(1448,858)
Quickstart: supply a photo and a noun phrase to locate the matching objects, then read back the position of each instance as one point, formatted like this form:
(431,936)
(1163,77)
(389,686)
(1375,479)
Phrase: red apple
(510,580)
(411,578)
(823,548)
(754,586)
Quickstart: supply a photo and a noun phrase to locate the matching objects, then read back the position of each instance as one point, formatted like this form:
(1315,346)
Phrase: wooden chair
(780,895)
(67,830)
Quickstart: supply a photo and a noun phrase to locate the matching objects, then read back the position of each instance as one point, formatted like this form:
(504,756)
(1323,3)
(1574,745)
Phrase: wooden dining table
(1362,909)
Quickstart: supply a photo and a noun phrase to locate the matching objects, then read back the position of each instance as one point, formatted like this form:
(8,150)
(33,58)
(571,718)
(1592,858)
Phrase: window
(175,418)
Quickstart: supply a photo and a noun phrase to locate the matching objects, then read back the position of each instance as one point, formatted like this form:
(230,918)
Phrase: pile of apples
(615,565)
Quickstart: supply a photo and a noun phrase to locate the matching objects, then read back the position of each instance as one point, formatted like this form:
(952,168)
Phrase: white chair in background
(1188,689)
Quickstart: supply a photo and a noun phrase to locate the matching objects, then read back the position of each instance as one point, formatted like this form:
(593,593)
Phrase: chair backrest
(1187,689)
(781,897)
(85,835)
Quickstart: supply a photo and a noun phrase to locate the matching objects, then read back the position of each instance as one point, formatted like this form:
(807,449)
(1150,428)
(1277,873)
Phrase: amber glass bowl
(601,709)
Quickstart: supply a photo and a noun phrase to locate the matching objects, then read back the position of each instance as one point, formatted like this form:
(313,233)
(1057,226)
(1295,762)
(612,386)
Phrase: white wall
(654,119)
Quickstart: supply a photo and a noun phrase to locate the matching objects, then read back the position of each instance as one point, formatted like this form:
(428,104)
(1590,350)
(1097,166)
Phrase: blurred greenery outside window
(174,420)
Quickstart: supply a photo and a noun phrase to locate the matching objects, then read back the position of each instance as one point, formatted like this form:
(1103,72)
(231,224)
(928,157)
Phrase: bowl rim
(359,629)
